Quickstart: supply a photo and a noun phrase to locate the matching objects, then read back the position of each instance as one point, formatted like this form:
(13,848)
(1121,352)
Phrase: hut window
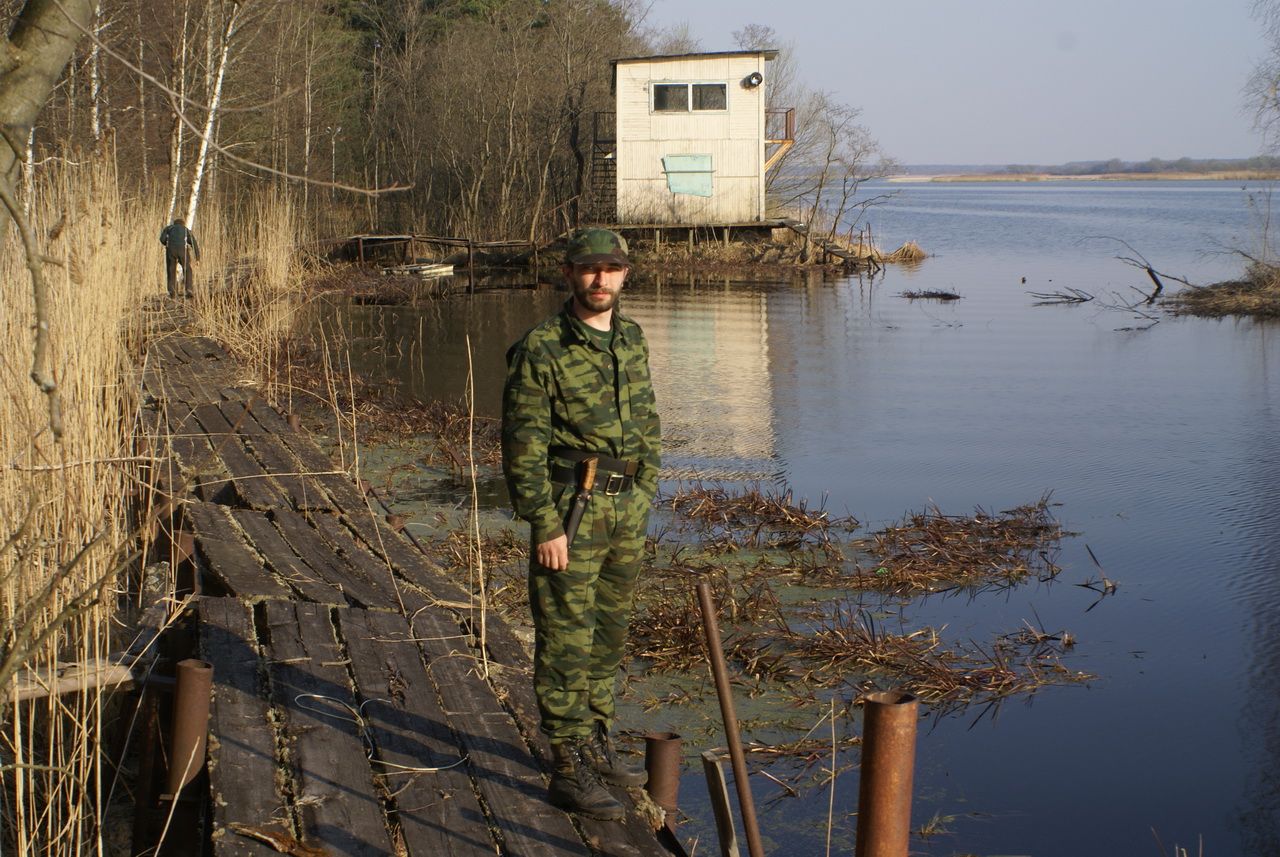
(671,97)
(684,97)
(710,96)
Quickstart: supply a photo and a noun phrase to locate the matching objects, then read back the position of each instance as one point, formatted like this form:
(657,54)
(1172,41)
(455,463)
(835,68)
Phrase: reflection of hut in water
(710,364)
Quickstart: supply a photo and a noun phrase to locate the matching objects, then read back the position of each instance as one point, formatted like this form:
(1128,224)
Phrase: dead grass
(441,430)
(752,517)
(1258,296)
(929,550)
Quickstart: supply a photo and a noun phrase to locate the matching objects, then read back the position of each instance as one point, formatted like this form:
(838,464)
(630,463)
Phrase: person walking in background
(580,429)
(179,245)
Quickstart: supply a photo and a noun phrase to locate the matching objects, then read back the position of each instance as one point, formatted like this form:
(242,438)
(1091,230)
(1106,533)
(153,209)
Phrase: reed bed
(444,433)
(247,284)
(363,285)
(75,511)
(776,587)
(1257,295)
(910,251)
(68,527)
(850,647)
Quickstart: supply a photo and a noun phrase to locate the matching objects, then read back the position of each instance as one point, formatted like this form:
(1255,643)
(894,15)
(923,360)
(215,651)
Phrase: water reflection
(710,343)
(1160,445)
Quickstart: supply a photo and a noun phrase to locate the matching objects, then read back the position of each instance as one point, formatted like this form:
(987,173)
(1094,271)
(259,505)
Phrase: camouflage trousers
(580,615)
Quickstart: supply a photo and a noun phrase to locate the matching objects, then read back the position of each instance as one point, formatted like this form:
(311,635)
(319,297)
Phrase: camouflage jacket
(563,390)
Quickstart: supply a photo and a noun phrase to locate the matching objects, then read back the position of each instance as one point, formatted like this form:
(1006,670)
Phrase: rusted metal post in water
(662,763)
(888,757)
(190,723)
(746,806)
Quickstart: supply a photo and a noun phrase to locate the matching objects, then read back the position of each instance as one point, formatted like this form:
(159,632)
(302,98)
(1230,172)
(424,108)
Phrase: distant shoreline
(1216,175)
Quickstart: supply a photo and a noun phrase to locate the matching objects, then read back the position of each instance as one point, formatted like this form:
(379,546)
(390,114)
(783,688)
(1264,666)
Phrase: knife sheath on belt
(586,481)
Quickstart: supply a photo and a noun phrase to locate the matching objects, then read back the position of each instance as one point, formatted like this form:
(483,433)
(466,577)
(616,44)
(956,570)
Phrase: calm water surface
(1158,443)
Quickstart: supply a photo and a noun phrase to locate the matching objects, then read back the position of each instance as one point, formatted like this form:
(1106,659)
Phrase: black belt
(612,474)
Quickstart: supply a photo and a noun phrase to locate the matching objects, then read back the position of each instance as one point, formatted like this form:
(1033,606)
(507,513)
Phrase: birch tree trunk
(306,124)
(142,105)
(95,76)
(179,127)
(202,160)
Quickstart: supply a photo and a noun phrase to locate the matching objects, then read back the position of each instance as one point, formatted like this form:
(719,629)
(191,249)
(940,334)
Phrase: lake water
(1157,440)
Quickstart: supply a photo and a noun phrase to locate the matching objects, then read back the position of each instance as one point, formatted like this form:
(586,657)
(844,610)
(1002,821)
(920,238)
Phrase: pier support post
(662,762)
(190,723)
(888,757)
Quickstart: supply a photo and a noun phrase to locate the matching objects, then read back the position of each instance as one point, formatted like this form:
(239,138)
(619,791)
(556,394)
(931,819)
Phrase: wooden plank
(304,493)
(242,746)
(234,563)
(405,558)
(308,545)
(252,484)
(313,460)
(287,565)
(631,837)
(359,561)
(337,802)
(277,455)
(506,775)
(437,810)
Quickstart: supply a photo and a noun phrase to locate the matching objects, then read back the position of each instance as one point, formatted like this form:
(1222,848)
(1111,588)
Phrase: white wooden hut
(689,140)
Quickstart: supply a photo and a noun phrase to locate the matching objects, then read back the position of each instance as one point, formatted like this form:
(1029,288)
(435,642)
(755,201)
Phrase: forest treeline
(473,117)
(1268,163)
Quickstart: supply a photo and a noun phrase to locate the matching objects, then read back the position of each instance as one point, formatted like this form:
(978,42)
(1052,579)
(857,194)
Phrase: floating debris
(930,295)
(752,517)
(930,550)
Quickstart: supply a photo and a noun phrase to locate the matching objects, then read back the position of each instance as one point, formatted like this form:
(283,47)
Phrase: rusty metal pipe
(746,805)
(888,757)
(190,723)
(662,763)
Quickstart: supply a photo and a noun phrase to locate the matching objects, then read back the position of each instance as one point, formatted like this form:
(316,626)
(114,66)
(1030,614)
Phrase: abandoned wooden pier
(355,710)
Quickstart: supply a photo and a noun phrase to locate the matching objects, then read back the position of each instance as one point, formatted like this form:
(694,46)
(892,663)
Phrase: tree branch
(40,294)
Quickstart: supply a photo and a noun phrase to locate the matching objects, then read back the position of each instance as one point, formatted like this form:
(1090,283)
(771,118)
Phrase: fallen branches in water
(850,645)
(1070,296)
(752,517)
(928,550)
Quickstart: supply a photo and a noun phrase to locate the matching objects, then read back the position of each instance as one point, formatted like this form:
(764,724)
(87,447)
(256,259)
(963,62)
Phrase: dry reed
(72,512)
(66,526)
(1257,295)
(930,550)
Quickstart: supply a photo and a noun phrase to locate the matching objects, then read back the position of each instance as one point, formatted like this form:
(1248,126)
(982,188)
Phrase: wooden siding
(734,138)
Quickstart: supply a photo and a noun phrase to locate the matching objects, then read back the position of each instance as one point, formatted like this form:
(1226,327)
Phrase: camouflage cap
(592,246)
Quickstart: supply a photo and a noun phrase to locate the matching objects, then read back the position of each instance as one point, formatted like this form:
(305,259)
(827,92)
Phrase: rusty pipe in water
(662,763)
(888,757)
(746,805)
(190,722)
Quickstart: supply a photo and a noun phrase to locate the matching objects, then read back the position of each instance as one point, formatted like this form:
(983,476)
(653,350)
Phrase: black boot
(611,767)
(576,787)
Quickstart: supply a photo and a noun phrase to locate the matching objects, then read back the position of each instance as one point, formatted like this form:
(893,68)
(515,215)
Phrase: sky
(1016,81)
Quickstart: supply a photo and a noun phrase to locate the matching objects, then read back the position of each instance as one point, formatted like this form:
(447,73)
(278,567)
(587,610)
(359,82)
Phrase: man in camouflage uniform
(179,243)
(577,388)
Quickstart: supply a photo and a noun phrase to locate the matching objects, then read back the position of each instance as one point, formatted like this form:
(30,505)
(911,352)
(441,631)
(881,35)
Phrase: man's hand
(554,554)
